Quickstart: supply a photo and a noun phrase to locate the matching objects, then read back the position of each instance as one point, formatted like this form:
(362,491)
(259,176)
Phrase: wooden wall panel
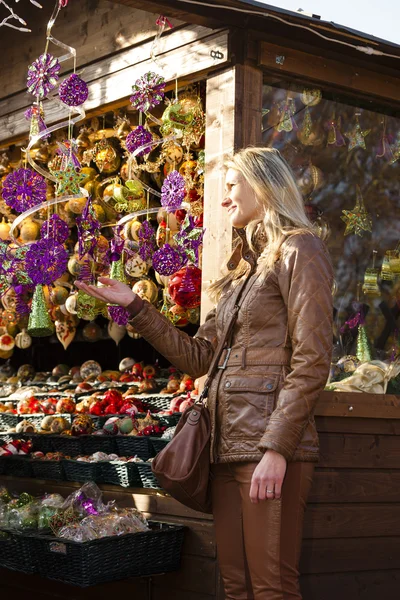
(96,28)
(351,485)
(359,451)
(373,585)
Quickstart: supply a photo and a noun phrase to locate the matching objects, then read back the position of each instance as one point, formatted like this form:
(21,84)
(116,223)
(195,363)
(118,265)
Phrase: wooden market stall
(256,63)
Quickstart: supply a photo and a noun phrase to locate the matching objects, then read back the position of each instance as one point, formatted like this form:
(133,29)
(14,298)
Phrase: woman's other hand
(114,292)
(268,476)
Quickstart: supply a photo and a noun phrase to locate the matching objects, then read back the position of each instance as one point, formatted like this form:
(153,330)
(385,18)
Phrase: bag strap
(226,336)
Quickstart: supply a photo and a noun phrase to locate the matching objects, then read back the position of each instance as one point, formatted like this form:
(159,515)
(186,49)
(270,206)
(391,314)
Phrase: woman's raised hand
(114,292)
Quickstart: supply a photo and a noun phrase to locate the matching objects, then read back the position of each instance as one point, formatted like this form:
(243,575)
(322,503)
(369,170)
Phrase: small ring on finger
(270,492)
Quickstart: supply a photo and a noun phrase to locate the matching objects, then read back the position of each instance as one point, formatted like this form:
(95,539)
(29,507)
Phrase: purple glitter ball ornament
(119,315)
(73,91)
(55,229)
(148,91)
(23,189)
(139,137)
(173,191)
(45,261)
(43,75)
(168,260)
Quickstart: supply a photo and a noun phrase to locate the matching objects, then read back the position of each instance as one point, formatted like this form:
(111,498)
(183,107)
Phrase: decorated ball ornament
(168,260)
(43,75)
(23,189)
(137,138)
(148,91)
(173,191)
(45,261)
(185,287)
(73,91)
(55,229)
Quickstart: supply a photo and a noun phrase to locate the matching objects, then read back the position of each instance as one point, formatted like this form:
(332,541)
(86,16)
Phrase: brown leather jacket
(280,357)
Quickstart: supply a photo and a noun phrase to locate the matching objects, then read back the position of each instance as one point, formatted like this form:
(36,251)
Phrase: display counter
(351,545)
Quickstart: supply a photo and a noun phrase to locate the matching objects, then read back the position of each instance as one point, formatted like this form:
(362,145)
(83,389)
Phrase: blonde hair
(279,199)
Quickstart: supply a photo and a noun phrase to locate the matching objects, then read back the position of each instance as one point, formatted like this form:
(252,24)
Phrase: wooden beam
(348,78)
(233,118)
(184,53)
(373,406)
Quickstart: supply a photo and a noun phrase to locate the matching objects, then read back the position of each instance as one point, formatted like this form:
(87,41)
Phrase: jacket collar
(242,251)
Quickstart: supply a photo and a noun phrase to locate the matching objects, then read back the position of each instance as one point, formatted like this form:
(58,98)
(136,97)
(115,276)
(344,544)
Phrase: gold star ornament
(357,220)
(68,180)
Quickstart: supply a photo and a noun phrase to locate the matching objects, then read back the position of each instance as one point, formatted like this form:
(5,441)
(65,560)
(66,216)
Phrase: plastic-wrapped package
(118,522)
(50,505)
(87,500)
(22,516)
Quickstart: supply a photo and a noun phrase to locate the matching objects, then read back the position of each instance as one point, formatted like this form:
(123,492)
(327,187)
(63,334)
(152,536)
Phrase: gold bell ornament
(40,323)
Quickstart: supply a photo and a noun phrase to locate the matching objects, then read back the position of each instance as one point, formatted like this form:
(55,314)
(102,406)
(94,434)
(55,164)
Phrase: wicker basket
(98,443)
(77,470)
(17,466)
(8,420)
(109,559)
(158,444)
(15,552)
(149,480)
(40,441)
(67,444)
(48,469)
(125,474)
(132,445)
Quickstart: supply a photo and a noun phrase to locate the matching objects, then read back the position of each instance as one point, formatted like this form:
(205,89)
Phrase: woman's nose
(226,201)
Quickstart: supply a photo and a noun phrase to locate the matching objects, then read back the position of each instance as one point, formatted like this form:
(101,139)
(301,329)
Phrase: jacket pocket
(249,402)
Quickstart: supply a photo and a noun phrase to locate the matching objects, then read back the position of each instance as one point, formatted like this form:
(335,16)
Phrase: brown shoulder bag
(183,466)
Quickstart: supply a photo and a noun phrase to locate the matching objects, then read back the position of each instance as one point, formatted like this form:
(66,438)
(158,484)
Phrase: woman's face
(239,200)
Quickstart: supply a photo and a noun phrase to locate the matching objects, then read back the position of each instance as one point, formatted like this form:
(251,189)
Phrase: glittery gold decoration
(357,220)
(370,286)
(88,308)
(117,271)
(40,323)
(356,136)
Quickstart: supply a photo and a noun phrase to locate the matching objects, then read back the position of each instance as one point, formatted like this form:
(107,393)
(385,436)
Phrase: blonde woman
(264,444)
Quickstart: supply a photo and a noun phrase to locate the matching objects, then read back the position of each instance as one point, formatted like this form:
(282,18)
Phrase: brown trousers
(259,545)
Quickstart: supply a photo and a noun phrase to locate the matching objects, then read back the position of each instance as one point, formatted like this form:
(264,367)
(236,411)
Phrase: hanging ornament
(122,128)
(40,323)
(356,136)
(23,340)
(4,230)
(311,97)
(65,330)
(119,315)
(45,261)
(88,308)
(135,266)
(390,265)
(35,114)
(384,149)
(116,332)
(23,189)
(129,197)
(92,332)
(168,260)
(105,157)
(185,287)
(173,191)
(363,352)
(55,229)
(43,75)
(148,91)
(68,151)
(287,110)
(137,138)
(88,230)
(73,91)
(310,180)
(370,286)
(68,180)
(146,289)
(357,220)
(189,239)
(335,137)
(147,241)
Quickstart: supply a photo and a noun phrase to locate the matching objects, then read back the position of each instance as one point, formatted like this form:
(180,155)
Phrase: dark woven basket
(125,474)
(48,469)
(15,552)
(158,402)
(170,420)
(109,559)
(149,480)
(40,441)
(77,470)
(8,420)
(67,444)
(17,466)
(132,445)
(38,418)
(98,443)
(158,444)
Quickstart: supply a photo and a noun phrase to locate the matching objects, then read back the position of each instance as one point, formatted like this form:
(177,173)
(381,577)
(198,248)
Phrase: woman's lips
(231,209)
